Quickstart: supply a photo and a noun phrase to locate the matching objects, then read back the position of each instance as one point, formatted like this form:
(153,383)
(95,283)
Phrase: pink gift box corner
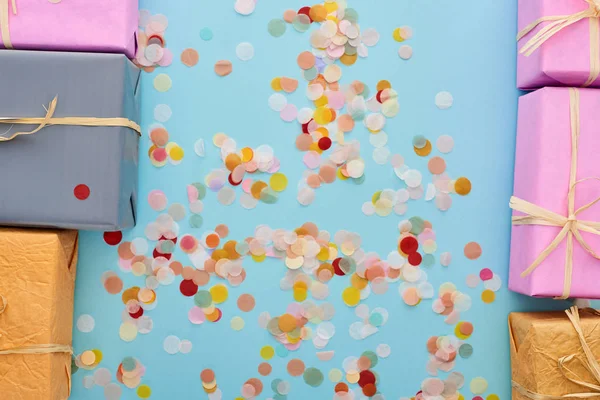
(107,26)
(563,60)
(542,169)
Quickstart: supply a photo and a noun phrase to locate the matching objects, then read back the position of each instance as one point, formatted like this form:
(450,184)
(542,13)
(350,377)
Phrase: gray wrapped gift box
(41,174)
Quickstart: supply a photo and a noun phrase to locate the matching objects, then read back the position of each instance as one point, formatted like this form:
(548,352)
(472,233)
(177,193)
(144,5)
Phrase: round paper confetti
(246,302)
(81,192)
(472,250)
(237,323)
(190,57)
(162,82)
(206,34)
(223,67)
(85,323)
(478,385)
(444,100)
(277,27)
(405,52)
(245,51)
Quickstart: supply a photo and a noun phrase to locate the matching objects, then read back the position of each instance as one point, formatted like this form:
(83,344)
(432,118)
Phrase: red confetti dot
(365,378)
(477,398)
(324,143)
(378,96)
(305,127)
(81,192)
(305,11)
(231,181)
(160,154)
(415,259)
(486,274)
(137,314)
(156,254)
(409,245)
(336,267)
(188,287)
(113,238)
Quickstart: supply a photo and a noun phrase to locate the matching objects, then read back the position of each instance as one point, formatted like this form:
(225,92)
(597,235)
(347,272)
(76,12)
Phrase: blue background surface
(465,47)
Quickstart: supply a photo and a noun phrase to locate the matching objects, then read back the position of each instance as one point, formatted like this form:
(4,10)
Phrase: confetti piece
(472,250)
(162,82)
(223,67)
(245,51)
(444,100)
(405,52)
(85,323)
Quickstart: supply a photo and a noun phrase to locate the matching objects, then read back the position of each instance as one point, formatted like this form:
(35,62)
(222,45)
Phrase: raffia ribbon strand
(49,120)
(570,224)
(38,348)
(560,22)
(4,28)
(589,364)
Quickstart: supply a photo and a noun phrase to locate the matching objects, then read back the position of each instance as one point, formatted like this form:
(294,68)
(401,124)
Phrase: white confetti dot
(245,51)
(199,148)
(162,113)
(86,323)
(405,52)
(171,344)
(444,100)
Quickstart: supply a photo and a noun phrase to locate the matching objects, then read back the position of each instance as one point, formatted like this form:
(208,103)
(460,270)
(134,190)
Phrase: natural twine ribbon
(50,120)
(560,22)
(4,28)
(589,364)
(38,348)
(570,224)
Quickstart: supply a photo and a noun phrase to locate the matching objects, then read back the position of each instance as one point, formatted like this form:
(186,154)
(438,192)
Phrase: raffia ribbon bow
(590,364)
(570,224)
(50,120)
(38,348)
(560,22)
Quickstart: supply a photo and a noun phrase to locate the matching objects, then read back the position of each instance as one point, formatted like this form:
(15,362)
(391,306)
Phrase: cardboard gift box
(555,236)
(554,354)
(37,280)
(75,172)
(107,26)
(559,43)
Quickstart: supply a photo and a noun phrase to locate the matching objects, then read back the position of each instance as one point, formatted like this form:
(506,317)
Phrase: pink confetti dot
(486,274)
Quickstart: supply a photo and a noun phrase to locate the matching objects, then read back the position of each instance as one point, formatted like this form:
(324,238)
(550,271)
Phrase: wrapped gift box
(565,58)
(37,280)
(76,177)
(538,341)
(542,177)
(107,26)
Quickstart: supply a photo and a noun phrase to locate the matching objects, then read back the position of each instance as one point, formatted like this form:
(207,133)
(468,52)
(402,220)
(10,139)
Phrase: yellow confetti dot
(425,150)
(267,352)
(321,101)
(176,153)
(322,115)
(348,59)
(300,294)
(397,35)
(144,391)
(162,82)
(278,182)
(98,355)
(247,154)
(237,323)
(462,186)
(461,397)
(276,84)
(335,375)
(375,197)
(488,296)
(383,85)
(219,293)
(351,296)
(340,176)
(331,7)
(358,282)
(478,385)
(260,258)
(492,397)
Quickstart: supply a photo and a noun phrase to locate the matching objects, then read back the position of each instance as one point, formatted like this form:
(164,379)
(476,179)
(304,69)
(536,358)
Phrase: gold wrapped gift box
(37,281)
(553,354)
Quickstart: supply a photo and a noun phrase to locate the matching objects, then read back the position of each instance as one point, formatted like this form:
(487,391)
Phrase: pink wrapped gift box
(565,58)
(106,26)
(542,169)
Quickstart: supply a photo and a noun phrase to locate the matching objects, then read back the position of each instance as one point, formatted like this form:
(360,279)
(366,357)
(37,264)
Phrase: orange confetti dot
(472,250)
(306,60)
(425,151)
(318,13)
(190,57)
(287,323)
(212,241)
(288,16)
(223,67)
(462,186)
(246,302)
(257,188)
(264,369)
(288,85)
(381,85)
(295,367)
(436,165)
(488,296)
(345,123)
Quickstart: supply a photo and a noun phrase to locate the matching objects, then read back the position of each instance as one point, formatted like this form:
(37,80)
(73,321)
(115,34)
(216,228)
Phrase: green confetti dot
(428,260)
(311,74)
(128,364)
(376,319)
(419,141)
(465,350)
(418,225)
(372,357)
(268,196)
(301,22)
(74,367)
(206,34)
(360,180)
(166,246)
(351,15)
(201,189)
(274,384)
(277,27)
(196,221)
(313,377)
(203,299)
